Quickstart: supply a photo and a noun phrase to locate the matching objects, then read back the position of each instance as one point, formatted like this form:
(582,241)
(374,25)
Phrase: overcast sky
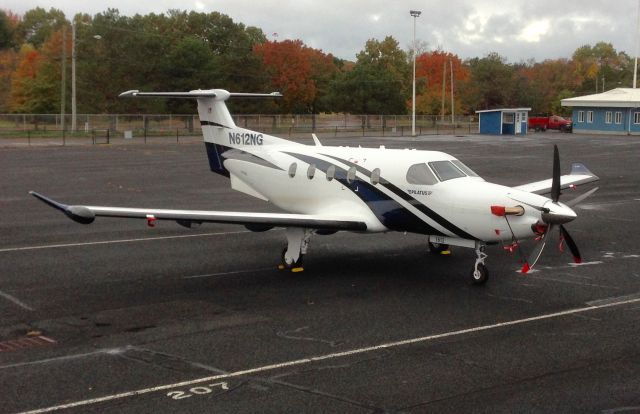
(517,29)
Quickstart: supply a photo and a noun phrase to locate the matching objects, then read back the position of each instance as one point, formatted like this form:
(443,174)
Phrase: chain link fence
(38,129)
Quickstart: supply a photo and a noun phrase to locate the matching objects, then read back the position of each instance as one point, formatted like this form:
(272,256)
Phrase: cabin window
(311,171)
(445,170)
(464,168)
(292,170)
(331,172)
(351,175)
(608,117)
(375,176)
(618,118)
(420,174)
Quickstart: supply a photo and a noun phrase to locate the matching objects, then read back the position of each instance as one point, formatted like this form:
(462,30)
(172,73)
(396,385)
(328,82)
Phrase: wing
(264,221)
(579,175)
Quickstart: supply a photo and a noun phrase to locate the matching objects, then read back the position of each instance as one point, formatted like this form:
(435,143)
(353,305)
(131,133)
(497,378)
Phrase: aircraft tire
(295,265)
(481,276)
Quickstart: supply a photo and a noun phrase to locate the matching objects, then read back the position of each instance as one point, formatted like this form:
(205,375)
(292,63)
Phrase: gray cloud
(517,29)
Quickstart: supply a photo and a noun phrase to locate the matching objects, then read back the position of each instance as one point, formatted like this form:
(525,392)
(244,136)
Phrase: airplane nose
(558,213)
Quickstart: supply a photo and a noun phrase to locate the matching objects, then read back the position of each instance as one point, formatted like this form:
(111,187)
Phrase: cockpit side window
(445,170)
(421,174)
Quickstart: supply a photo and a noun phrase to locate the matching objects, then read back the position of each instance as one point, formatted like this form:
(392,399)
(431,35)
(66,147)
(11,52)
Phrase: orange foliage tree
(295,70)
(430,68)
(35,85)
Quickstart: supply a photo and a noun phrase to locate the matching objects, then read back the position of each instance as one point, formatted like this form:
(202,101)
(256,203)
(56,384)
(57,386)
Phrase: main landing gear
(297,244)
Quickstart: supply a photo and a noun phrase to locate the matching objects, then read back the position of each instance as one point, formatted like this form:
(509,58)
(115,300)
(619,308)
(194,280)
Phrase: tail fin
(213,112)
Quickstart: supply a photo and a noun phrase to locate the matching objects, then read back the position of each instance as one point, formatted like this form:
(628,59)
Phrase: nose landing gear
(480,274)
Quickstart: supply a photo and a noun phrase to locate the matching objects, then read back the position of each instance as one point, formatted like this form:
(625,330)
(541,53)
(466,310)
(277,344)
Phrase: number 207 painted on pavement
(200,390)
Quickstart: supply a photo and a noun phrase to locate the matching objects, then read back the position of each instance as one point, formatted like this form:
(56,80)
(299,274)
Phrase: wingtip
(132,92)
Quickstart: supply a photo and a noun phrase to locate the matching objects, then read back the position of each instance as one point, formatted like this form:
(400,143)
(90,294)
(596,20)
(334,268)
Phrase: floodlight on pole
(73,72)
(414,14)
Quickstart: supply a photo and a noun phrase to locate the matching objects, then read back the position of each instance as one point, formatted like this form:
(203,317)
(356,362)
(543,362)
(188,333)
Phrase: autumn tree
(430,68)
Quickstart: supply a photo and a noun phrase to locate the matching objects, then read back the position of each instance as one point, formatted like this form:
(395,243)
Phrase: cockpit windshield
(445,170)
(448,170)
(464,168)
(423,174)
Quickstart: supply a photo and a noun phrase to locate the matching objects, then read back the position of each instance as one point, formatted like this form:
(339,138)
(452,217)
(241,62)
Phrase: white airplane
(328,189)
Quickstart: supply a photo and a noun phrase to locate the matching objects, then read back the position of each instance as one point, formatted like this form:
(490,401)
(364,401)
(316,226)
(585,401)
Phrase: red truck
(542,123)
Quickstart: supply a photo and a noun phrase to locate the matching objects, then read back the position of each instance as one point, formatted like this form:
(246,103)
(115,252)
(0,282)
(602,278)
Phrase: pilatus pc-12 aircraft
(329,189)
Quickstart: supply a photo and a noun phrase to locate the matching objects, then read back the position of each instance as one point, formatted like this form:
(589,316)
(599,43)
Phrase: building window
(580,116)
(618,117)
(508,118)
(608,117)
(590,117)
(636,117)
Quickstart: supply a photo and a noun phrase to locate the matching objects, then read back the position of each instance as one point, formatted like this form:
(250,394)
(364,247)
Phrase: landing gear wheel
(437,248)
(480,275)
(294,267)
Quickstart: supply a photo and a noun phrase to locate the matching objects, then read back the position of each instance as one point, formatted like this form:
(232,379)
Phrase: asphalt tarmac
(118,317)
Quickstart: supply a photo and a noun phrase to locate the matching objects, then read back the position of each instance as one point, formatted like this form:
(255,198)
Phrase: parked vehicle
(542,123)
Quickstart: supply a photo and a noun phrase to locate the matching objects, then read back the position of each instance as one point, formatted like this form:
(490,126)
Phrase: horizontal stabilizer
(218,94)
(579,175)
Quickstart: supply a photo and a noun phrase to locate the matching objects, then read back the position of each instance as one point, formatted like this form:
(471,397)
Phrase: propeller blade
(572,245)
(555,181)
(581,197)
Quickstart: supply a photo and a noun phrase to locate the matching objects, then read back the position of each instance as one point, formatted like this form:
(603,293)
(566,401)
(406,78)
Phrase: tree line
(179,50)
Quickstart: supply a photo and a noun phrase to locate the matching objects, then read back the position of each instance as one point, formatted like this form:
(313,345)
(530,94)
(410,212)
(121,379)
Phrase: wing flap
(579,175)
(87,214)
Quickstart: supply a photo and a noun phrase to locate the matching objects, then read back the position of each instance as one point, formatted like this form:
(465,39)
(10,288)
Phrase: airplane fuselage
(375,184)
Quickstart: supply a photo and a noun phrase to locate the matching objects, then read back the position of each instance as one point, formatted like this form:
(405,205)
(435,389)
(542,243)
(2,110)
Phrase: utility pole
(635,65)
(73,76)
(453,112)
(63,76)
(444,86)
(414,14)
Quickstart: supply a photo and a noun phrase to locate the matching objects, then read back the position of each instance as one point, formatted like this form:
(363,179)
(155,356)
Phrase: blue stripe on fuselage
(390,213)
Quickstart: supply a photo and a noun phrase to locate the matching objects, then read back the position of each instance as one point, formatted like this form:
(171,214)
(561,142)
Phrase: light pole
(414,14)
(73,76)
(73,73)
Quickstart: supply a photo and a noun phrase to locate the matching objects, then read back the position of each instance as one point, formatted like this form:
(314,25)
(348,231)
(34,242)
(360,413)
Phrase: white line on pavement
(325,357)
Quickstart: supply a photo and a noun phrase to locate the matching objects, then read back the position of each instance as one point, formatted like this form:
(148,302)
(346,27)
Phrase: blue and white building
(613,112)
(504,121)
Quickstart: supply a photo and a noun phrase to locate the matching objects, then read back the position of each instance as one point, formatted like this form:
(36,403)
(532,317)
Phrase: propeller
(555,214)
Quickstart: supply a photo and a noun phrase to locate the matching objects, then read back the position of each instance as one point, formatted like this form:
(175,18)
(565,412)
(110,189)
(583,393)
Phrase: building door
(518,123)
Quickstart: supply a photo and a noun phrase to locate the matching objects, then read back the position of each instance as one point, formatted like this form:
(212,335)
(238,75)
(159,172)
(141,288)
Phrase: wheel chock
(297,269)
(445,252)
